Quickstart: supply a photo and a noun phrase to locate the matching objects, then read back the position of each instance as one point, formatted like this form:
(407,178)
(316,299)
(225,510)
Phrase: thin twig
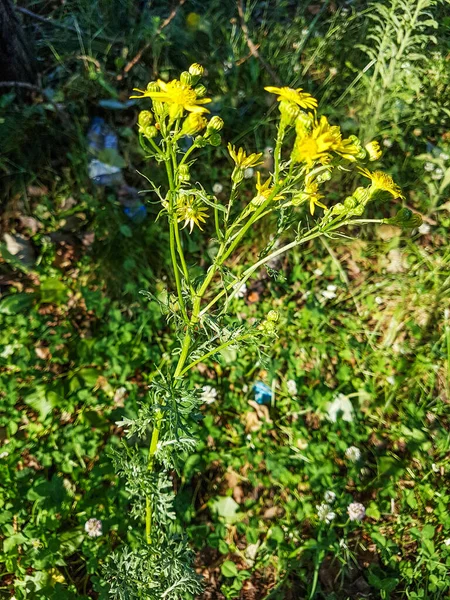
(132,63)
(58,25)
(252,47)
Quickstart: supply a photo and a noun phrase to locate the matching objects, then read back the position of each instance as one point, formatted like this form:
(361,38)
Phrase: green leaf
(53,291)
(16,303)
(13,541)
(226,508)
(229,569)
(428,532)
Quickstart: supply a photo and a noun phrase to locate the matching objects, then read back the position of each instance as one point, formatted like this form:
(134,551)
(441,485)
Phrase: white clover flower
(291,387)
(379,300)
(209,394)
(329,497)
(438,174)
(447,542)
(318,272)
(333,71)
(4,454)
(387,142)
(249,172)
(390,380)
(328,294)
(444,156)
(93,528)
(428,166)
(356,511)
(353,453)
(324,512)
(240,290)
(424,229)
(340,408)
(217,188)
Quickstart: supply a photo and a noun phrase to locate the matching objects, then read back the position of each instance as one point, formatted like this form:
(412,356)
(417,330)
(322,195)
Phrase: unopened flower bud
(193,123)
(215,139)
(289,112)
(186,78)
(150,132)
(373,150)
(145,118)
(358,210)
(338,209)
(153,87)
(215,124)
(196,71)
(237,175)
(360,194)
(200,91)
(273,316)
(183,173)
(350,202)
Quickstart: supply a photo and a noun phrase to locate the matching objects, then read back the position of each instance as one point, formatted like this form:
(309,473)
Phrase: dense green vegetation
(359,369)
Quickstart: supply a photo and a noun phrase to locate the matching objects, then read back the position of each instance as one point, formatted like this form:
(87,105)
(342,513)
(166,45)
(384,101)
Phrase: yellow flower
(179,96)
(303,99)
(263,191)
(373,150)
(242,160)
(316,145)
(382,182)
(310,194)
(190,210)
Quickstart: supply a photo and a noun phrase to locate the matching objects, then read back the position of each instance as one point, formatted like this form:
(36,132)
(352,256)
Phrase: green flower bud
(338,209)
(273,316)
(360,194)
(237,175)
(358,210)
(193,123)
(289,112)
(215,124)
(150,132)
(196,71)
(183,173)
(153,87)
(200,91)
(145,118)
(350,202)
(215,139)
(322,177)
(186,78)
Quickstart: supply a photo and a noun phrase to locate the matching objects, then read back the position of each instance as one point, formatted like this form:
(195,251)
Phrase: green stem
(215,351)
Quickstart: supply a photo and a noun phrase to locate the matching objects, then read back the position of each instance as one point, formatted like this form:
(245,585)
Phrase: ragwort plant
(157,564)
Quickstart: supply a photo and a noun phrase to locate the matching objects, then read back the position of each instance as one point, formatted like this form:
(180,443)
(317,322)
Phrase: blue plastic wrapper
(101,137)
(263,393)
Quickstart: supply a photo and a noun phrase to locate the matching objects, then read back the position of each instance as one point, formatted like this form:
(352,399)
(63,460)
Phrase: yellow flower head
(263,191)
(310,194)
(382,182)
(241,159)
(179,96)
(191,211)
(316,145)
(193,123)
(373,150)
(303,99)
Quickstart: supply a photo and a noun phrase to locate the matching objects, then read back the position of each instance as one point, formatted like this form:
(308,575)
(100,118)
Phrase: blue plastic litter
(101,137)
(263,393)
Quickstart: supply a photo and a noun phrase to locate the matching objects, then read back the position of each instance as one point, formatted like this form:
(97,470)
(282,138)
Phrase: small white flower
(318,272)
(209,394)
(390,380)
(249,172)
(333,71)
(340,408)
(240,290)
(353,453)
(331,287)
(447,314)
(379,300)
(438,174)
(217,188)
(305,31)
(447,542)
(4,454)
(356,511)
(93,528)
(435,468)
(428,166)
(329,497)
(324,512)
(443,156)
(328,294)
(296,45)
(387,142)
(291,387)
(424,229)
